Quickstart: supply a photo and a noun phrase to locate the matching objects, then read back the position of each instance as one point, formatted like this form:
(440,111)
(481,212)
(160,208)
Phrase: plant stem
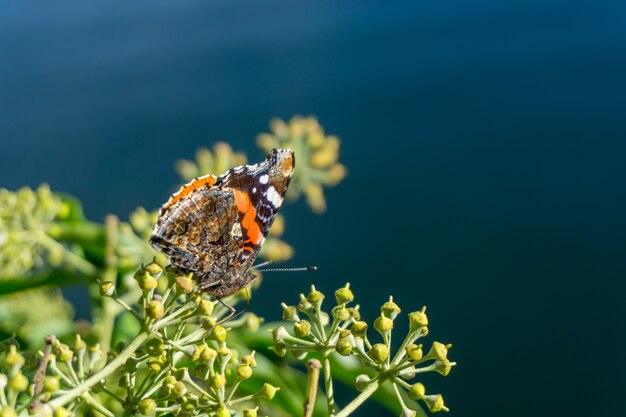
(328,380)
(313,378)
(102,374)
(360,399)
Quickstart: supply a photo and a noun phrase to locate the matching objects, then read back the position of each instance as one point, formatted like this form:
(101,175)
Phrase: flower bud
(279,333)
(290,312)
(107,289)
(249,359)
(418,319)
(417,391)
(362,381)
(61,412)
(299,354)
(179,389)
(344,295)
(8,412)
(147,282)
(358,328)
(217,381)
(383,324)
(154,269)
(390,309)
(65,353)
(51,384)
(444,366)
(435,403)
(379,353)
(185,284)
(244,371)
(315,297)
(414,352)
(208,354)
(438,351)
(207,307)
(222,412)
(250,412)
(268,391)
(14,359)
(18,382)
(302,328)
(147,407)
(79,344)
(343,346)
(155,363)
(155,347)
(355,313)
(155,309)
(340,313)
(280,348)
(218,334)
(304,304)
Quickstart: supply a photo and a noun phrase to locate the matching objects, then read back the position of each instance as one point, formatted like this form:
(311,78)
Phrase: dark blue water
(486,143)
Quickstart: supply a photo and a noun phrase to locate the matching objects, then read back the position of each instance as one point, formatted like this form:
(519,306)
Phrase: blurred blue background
(486,144)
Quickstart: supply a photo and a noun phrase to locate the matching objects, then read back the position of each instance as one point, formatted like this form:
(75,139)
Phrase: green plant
(155,345)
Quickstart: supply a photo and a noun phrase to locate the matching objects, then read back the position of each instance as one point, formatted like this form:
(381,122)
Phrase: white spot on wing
(273,196)
(264,179)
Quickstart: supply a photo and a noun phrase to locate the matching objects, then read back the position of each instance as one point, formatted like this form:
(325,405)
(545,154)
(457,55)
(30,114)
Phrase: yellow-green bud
(302,328)
(438,351)
(155,309)
(14,358)
(340,313)
(107,289)
(207,307)
(179,389)
(314,296)
(390,309)
(217,381)
(147,407)
(362,381)
(249,360)
(154,269)
(197,351)
(435,403)
(155,347)
(185,284)
(268,391)
(344,295)
(250,412)
(155,363)
(61,412)
(244,371)
(383,324)
(444,366)
(280,347)
(417,391)
(51,384)
(414,352)
(418,319)
(355,313)
(379,353)
(222,412)
(358,328)
(8,412)
(304,304)
(224,351)
(344,346)
(218,334)
(18,382)
(279,333)
(65,353)
(147,282)
(290,313)
(208,354)
(79,344)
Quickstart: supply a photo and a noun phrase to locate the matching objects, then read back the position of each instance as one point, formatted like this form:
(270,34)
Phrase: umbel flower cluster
(343,332)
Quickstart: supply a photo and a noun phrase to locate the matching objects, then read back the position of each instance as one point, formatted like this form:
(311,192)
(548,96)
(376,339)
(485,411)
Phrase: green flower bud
(279,333)
(14,359)
(185,284)
(107,289)
(61,412)
(438,351)
(179,389)
(249,360)
(390,309)
(147,282)
(280,347)
(217,381)
(290,312)
(8,412)
(379,353)
(344,295)
(197,351)
(222,412)
(444,366)
(362,381)
(417,391)
(299,354)
(224,351)
(343,346)
(207,307)
(65,353)
(418,319)
(155,309)
(18,382)
(304,304)
(302,328)
(383,324)
(218,334)
(355,313)
(154,269)
(340,313)
(147,407)
(358,328)
(208,354)
(51,384)
(268,391)
(155,347)
(244,371)
(435,403)
(250,412)
(155,363)
(315,297)
(414,352)
(253,322)
(79,344)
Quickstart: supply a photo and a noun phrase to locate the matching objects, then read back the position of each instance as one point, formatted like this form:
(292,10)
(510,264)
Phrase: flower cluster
(317,157)
(344,332)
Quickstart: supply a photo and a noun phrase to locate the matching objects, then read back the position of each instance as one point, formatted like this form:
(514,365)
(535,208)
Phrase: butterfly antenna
(261,265)
(307,268)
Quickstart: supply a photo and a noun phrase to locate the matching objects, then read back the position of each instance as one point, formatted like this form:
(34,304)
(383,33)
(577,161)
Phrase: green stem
(328,381)
(360,399)
(96,405)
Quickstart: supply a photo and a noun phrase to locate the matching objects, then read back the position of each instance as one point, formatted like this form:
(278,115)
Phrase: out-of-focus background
(486,144)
